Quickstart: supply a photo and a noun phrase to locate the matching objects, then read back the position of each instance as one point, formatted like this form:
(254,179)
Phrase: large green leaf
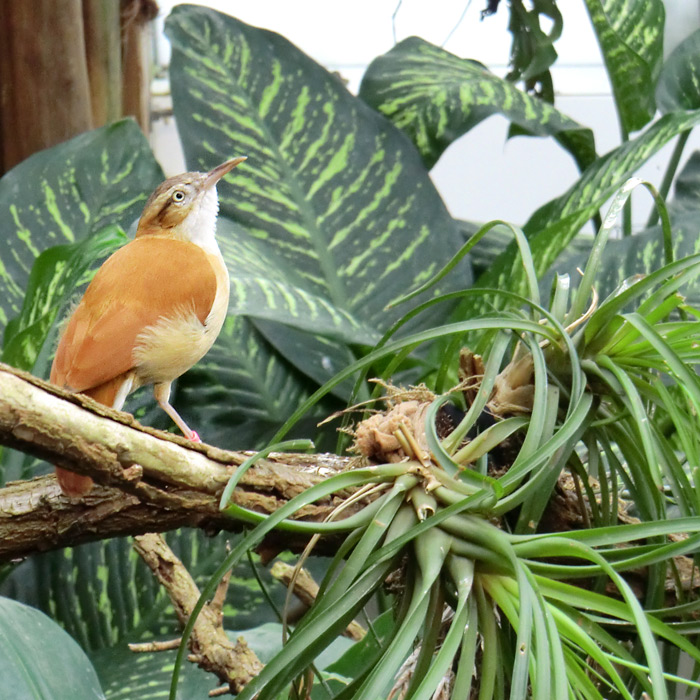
(640,254)
(332,216)
(630,35)
(435,97)
(553,226)
(126,675)
(644,252)
(67,193)
(679,83)
(321,357)
(330,187)
(148,675)
(265,286)
(38,660)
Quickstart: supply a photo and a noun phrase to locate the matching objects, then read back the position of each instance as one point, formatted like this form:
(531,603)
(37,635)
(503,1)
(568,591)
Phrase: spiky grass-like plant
(493,600)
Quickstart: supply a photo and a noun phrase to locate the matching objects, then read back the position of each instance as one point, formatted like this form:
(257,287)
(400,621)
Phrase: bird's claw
(194,436)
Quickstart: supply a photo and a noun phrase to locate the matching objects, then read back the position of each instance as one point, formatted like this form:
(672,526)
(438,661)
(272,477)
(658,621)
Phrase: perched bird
(153,309)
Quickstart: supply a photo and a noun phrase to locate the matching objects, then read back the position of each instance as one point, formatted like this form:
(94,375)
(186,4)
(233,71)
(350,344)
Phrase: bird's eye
(178,196)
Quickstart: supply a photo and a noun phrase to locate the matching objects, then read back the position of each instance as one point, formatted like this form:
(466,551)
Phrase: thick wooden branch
(148,480)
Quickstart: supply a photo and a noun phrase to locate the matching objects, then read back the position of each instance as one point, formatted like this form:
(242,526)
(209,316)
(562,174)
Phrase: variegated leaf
(319,357)
(686,198)
(330,187)
(630,35)
(641,254)
(67,193)
(435,97)
(265,286)
(679,83)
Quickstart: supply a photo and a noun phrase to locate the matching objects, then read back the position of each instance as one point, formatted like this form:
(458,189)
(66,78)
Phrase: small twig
(306,589)
(219,599)
(416,449)
(145,647)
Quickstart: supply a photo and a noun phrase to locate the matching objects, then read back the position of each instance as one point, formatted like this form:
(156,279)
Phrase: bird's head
(186,206)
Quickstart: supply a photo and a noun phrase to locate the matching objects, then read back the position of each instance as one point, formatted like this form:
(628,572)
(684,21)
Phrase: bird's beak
(213,176)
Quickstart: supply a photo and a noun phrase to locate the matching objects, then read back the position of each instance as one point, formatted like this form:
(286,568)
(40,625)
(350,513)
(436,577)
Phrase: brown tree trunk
(136,64)
(104,57)
(45,95)
(67,66)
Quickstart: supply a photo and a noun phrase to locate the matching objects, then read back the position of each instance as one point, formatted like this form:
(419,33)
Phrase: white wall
(482,176)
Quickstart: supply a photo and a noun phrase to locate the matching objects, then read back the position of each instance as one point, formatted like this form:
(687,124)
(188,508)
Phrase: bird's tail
(76,485)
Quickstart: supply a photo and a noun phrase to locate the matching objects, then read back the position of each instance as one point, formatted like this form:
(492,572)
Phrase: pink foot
(194,437)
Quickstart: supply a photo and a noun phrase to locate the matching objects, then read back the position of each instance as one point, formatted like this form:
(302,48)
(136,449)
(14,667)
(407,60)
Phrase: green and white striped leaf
(39,660)
(318,357)
(264,286)
(67,193)
(435,97)
(643,252)
(553,226)
(330,187)
(679,82)
(630,36)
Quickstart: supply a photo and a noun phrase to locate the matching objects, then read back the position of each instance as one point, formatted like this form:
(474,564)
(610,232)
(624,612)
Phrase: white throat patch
(200,226)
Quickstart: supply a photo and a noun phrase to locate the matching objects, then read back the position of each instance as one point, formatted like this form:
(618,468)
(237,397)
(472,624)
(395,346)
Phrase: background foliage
(332,217)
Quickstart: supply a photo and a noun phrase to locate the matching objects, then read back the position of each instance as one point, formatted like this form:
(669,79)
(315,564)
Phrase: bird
(153,309)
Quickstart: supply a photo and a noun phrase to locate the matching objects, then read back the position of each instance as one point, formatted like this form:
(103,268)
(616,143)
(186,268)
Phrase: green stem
(627,218)
(670,173)
(627,209)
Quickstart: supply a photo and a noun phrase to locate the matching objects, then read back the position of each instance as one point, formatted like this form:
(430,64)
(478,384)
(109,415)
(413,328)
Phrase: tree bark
(67,66)
(137,37)
(104,58)
(45,96)
(148,480)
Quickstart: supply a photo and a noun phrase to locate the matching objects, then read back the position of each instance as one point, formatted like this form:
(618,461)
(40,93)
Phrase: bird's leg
(124,390)
(162,396)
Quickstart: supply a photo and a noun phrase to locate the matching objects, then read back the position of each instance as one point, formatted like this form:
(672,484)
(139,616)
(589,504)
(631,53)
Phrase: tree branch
(149,481)
(234,664)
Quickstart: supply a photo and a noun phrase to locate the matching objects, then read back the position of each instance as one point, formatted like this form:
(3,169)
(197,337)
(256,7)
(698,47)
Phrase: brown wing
(142,282)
